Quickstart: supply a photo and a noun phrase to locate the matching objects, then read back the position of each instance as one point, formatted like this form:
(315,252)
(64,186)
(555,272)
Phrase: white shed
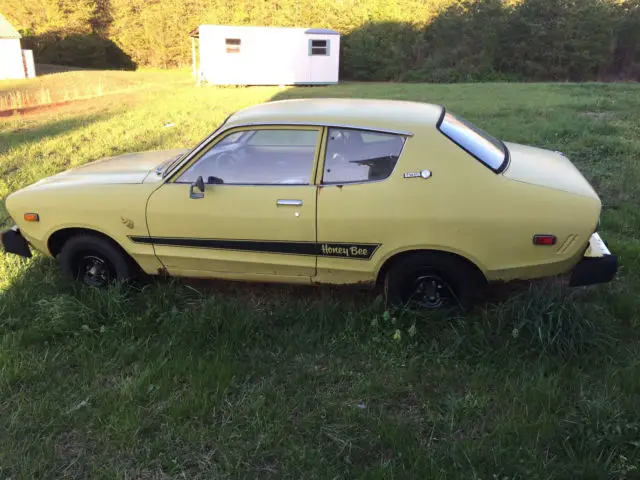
(11,62)
(267,55)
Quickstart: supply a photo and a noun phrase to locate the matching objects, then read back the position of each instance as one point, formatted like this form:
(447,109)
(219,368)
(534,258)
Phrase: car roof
(393,115)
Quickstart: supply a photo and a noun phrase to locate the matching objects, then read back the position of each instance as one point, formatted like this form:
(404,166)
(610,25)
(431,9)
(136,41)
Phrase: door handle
(291,203)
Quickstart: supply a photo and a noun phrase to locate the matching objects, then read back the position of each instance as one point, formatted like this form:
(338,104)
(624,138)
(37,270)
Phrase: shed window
(319,47)
(233,45)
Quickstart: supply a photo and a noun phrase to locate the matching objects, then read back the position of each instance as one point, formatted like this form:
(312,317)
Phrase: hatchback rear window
(475,141)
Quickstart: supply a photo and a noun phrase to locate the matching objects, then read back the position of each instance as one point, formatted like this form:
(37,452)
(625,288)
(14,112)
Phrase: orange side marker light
(32,217)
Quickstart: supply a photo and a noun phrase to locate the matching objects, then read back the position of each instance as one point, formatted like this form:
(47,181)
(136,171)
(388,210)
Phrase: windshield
(171,167)
(489,150)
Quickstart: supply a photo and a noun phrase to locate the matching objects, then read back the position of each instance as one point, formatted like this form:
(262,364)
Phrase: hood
(123,169)
(546,168)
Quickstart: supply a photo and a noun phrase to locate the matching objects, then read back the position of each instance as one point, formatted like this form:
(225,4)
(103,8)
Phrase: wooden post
(193,57)
(28,64)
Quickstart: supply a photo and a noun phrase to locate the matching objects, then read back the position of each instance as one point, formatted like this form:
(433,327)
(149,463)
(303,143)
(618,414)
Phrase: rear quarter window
(487,149)
(356,156)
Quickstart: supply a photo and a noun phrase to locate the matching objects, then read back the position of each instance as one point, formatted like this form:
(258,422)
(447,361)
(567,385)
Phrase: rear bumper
(13,242)
(597,266)
(590,271)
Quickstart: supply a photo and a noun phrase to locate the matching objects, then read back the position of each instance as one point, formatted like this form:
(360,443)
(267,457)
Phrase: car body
(328,191)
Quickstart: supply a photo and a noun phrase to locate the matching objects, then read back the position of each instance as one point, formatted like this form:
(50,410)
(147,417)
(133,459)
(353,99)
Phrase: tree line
(385,40)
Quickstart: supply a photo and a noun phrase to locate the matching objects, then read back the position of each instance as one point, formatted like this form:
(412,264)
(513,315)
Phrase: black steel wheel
(94,269)
(431,292)
(95,261)
(431,281)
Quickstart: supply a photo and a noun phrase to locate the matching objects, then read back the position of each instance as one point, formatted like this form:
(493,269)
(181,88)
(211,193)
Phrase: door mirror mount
(198,184)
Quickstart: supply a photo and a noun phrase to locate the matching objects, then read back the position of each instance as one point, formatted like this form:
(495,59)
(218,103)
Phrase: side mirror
(199,184)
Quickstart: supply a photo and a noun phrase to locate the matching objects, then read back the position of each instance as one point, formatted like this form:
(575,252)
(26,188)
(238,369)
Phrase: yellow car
(325,191)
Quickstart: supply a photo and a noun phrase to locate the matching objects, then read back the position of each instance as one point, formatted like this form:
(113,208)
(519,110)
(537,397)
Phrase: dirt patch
(49,106)
(38,108)
(78,105)
(599,115)
(69,451)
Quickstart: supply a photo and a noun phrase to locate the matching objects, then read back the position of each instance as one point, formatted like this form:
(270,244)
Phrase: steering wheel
(225,160)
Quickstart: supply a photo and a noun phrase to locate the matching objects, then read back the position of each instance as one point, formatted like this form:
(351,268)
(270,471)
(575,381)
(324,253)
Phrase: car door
(256,216)
(358,204)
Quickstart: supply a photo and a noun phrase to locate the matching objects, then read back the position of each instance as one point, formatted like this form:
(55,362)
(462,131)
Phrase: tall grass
(77,85)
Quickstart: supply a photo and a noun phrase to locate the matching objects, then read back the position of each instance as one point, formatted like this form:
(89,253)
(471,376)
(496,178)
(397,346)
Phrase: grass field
(214,380)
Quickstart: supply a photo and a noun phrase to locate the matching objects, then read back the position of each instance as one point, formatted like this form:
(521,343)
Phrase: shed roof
(195,33)
(321,31)
(6,29)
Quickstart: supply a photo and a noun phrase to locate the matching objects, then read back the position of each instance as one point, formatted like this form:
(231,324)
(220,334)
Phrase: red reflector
(544,239)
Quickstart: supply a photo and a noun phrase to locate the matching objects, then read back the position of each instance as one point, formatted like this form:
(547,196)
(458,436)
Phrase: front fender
(116,211)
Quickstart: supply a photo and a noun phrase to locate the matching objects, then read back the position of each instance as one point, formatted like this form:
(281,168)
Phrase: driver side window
(261,156)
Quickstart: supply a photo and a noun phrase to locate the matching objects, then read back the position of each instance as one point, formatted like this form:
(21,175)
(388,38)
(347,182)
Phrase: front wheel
(432,281)
(95,261)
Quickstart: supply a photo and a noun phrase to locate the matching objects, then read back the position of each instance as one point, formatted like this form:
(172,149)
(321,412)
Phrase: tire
(95,261)
(432,281)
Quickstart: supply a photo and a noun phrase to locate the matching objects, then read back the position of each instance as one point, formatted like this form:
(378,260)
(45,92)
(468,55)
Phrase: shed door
(234,54)
(322,61)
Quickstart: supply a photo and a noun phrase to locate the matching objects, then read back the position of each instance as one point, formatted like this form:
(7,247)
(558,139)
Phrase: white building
(12,65)
(267,55)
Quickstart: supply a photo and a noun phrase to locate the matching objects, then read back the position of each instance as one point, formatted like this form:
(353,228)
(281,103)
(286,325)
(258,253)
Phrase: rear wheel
(95,261)
(432,281)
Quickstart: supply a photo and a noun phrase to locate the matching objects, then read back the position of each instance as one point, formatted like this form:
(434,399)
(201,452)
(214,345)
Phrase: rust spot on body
(360,283)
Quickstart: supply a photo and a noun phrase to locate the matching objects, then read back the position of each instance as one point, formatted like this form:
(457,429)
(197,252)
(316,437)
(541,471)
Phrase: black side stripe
(357,251)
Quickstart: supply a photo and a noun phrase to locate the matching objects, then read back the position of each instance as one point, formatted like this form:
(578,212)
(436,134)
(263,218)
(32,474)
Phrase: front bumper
(13,242)
(597,266)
